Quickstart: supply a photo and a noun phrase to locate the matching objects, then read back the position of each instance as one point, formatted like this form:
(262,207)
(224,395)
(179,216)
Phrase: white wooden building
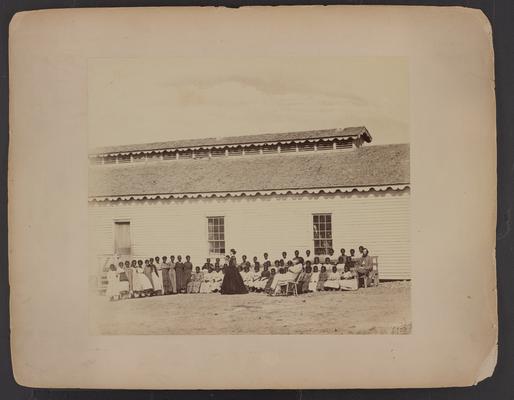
(259,193)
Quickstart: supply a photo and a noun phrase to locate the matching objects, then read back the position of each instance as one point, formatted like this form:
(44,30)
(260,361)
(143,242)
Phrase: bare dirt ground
(377,310)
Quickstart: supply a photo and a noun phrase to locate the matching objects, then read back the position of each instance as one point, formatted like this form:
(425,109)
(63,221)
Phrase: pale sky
(150,100)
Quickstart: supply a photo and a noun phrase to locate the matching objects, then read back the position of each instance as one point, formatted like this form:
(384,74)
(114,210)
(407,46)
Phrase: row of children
(310,278)
(135,279)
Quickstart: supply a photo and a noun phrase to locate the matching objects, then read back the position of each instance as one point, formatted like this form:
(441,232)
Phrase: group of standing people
(156,276)
(138,278)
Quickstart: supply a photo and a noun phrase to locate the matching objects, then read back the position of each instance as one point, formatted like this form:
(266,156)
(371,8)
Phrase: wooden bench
(373,277)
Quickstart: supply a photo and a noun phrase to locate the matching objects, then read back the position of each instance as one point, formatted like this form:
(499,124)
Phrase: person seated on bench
(300,279)
(313,283)
(278,277)
(246,275)
(194,284)
(348,280)
(217,279)
(206,285)
(322,278)
(332,282)
(261,282)
(255,278)
(365,265)
(267,287)
(306,278)
(290,274)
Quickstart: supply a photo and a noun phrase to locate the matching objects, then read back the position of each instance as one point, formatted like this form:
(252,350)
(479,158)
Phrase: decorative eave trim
(379,188)
(346,138)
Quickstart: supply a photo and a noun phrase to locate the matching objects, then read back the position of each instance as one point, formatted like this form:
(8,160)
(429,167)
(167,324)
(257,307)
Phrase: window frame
(115,222)
(324,234)
(219,243)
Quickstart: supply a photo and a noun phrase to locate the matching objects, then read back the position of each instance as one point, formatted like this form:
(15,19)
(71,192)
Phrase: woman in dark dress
(173,275)
(232,281)
(179,272)
(188,271)
(267,287)
(306,278)
(165,272)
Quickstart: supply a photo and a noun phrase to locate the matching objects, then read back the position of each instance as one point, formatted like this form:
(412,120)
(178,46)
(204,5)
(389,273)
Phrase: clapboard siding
(253,225)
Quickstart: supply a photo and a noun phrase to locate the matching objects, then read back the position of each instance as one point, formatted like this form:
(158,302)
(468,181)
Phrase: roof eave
(251,193)
(105,152)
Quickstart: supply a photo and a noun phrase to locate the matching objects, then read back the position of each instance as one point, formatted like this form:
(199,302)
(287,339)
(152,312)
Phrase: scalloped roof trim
(249,193)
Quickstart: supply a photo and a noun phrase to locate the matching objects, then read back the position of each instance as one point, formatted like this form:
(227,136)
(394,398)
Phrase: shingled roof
(365,167)
(346,133)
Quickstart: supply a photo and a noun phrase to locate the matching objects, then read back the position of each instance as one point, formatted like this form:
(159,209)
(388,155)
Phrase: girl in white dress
(217,279)
(157,280)
(254,278)
(124,286)
(313,283)
(334,279)
(113,286)
(206,286)
(348,281)
(141,282)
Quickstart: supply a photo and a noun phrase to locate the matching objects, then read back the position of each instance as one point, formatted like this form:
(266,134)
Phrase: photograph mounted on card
(290,189)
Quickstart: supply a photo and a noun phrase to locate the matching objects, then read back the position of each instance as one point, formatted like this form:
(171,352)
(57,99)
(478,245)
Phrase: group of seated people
(155,277)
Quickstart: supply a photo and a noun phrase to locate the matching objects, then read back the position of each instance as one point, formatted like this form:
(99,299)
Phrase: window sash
(322,233)
(122,240)
(216,235)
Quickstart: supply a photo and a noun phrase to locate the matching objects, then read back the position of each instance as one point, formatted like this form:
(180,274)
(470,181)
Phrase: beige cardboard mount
(453,203)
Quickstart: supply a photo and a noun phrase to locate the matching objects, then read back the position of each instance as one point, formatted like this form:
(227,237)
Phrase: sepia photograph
(249,196)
